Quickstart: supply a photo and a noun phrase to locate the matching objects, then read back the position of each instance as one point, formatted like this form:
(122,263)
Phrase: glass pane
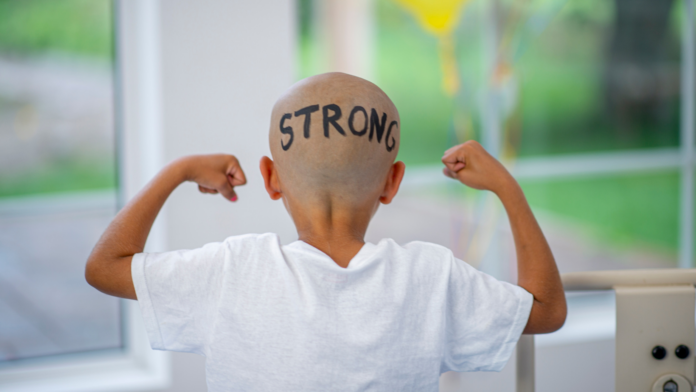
(550,76)
(611,221)
(541,80)
(57,175)
(601,75)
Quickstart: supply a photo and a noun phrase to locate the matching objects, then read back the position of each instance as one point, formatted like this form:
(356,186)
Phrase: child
(329,311)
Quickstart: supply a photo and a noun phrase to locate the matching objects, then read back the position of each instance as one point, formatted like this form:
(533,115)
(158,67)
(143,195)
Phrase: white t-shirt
(286,318)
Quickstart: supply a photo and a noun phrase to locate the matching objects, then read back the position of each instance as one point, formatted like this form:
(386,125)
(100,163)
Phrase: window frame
(138,119)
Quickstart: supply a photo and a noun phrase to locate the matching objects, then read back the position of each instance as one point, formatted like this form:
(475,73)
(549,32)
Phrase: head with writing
(334,138)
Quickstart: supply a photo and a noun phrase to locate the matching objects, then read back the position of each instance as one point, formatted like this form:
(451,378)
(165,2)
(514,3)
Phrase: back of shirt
(271,317)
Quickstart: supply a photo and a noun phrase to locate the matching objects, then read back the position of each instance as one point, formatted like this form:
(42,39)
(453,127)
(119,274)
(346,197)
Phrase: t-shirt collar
(355,262)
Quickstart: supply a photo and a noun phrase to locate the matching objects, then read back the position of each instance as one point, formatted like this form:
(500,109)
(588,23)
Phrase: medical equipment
(655,329)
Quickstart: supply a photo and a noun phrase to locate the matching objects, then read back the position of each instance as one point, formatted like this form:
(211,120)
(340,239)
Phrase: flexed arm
(536,267)
(108,268)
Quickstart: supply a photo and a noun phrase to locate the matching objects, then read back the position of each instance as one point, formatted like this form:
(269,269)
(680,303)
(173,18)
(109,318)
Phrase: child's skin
(330,201)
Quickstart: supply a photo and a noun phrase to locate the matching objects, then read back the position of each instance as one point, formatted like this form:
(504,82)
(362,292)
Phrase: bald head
(334,136)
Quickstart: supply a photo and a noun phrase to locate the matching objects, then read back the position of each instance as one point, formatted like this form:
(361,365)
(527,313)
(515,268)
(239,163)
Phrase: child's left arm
(108,268)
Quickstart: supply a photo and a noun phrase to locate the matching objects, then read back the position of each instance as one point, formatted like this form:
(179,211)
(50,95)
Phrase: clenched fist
(471,164)
(218,173)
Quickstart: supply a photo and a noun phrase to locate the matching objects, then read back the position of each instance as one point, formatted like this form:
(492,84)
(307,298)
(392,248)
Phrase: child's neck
(338,233)
(340,249)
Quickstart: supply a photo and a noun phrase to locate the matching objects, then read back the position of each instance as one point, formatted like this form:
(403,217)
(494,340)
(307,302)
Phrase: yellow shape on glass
(440,18)
(448,65)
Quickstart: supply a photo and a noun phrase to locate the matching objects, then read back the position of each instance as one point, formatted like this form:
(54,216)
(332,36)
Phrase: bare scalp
(334,136)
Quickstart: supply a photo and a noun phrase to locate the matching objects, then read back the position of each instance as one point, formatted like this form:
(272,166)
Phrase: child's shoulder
(253,238)
(270,245)
(416,246)
(415,251)
(248,242)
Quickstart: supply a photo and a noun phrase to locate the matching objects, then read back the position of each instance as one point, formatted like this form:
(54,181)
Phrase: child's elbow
(557,316)
(546,319)
(555,313)
(558,319)
(92,273)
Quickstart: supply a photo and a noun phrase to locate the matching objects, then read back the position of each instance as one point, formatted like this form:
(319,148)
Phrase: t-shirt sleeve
(177,293)
(485,319)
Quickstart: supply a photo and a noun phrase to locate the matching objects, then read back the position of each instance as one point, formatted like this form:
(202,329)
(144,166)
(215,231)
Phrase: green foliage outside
(72,27)
(408,70)
(65,175)
(620,210)
(559,71)
(63,28)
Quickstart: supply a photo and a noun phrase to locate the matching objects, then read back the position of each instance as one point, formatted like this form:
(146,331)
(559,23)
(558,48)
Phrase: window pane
(559,76)
(612,221)
(602,75)
(562,83)
(57,175)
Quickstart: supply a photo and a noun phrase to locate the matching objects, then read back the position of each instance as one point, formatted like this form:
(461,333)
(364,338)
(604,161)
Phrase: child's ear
(394,177)
(270,178)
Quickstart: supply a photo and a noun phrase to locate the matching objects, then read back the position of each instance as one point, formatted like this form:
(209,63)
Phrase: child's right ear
(270,178)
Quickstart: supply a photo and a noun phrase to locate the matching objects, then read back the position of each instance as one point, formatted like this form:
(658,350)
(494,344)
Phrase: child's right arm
(108,267)
(536,267)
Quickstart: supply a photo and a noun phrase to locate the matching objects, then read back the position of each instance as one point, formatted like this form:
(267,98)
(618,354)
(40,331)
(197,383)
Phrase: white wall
(201,77)
(224,64)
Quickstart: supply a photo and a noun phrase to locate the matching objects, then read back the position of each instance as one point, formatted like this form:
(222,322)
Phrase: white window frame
(139,134)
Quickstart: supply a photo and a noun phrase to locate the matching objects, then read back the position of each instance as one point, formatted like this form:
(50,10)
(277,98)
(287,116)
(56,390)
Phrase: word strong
(358,123)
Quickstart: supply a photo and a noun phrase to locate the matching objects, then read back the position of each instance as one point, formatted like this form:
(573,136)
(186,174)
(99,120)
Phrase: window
(60,186)
(581,99)
(57,176)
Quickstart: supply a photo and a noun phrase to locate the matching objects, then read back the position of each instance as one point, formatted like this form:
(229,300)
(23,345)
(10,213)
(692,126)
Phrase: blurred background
(574,96)
(57,175)
(585,101)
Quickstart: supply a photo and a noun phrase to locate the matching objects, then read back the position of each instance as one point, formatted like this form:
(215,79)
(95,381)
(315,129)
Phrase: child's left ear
(394,177)
(270,178)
